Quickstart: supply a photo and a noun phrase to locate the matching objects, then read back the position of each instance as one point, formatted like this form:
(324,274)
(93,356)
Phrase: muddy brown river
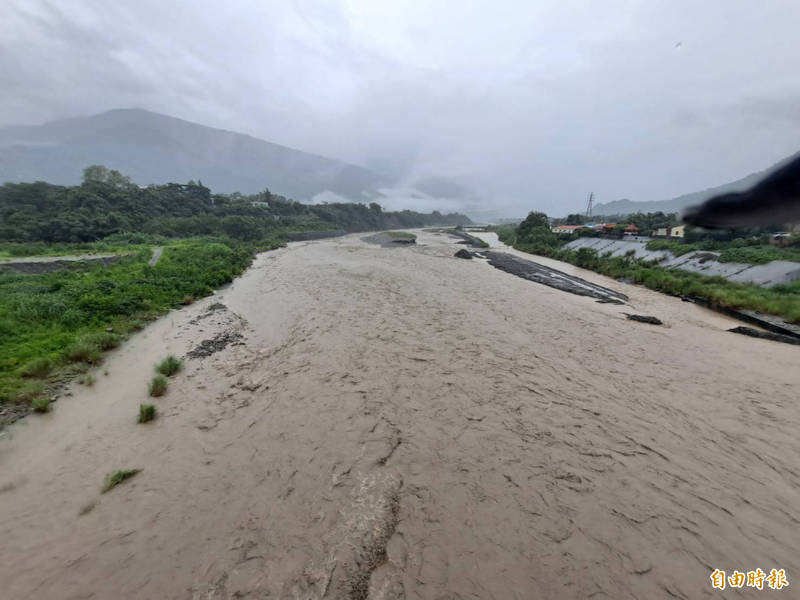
(399,423)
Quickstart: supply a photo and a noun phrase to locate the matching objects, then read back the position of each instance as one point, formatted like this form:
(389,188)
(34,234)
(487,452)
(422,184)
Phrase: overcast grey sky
(530,103)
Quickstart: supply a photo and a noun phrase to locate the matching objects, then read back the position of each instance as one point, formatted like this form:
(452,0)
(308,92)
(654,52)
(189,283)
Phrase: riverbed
(400,423)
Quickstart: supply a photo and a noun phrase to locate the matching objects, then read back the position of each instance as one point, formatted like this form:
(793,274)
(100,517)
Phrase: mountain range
(677,204)
(155,148)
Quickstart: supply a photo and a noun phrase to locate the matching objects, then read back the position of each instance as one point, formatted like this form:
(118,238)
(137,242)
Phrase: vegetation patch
(747,251)
(533,235)
(169,366)
(104,340)
(30,390)
(112,480)
(56,325)
(147,412)
(157,386)
(84,351)
(36,367)
(40,404)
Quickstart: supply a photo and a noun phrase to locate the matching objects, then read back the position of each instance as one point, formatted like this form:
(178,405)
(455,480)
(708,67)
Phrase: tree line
(107,202)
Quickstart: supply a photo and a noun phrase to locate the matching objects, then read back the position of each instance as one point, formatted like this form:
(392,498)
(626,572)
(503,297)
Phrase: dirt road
(398,423)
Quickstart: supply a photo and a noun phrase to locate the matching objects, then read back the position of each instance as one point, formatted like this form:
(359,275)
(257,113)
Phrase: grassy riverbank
(780,300)
(748,252)
(56,325)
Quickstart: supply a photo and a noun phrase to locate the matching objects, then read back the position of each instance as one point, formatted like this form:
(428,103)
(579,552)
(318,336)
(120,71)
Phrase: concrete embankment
(701,261)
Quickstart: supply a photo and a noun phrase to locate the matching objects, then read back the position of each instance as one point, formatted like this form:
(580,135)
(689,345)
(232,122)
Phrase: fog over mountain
(678,203)
(154,148)
(490,109)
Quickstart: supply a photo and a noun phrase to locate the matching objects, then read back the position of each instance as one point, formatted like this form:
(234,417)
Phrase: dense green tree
(107,203)
(535,231)
(575,219)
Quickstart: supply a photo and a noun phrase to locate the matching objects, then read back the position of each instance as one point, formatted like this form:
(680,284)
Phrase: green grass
(169,366)
(677,247)
(157,386)
(54,325)
(759,255)
(88,380)
(84,351)
(40,404)
(147,412)
(114,244)
(30,390)
(112,480)
(103,340)
(36,367)
(745,251)
(780,300)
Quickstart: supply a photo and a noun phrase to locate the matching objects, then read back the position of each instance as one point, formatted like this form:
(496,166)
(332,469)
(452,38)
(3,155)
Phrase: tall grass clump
(103,340)
(147,412)
(29,391)
(169,366)
(157,386)
(84,351)
(41,404)
(37,367)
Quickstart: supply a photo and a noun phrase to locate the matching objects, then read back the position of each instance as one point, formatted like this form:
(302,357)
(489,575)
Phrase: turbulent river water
(400,423)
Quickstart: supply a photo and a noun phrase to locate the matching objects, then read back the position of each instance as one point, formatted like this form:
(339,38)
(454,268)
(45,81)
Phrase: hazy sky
(530,103)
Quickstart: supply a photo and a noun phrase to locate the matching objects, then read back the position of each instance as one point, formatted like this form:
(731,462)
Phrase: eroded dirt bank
(396,422)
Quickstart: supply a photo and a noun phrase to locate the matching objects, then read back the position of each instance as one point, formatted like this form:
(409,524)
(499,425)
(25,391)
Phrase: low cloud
(525,105)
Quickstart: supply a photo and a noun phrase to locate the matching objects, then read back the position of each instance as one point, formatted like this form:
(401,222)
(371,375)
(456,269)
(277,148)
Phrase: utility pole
(590,204)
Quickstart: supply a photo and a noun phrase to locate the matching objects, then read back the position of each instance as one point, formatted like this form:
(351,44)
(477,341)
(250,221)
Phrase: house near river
(670,232)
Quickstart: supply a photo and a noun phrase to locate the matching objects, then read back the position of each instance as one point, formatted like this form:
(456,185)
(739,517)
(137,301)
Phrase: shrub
(84,351)
(29,391)
(135,325)
(114,479)
(104,340)
(169,366)
(88,380)
(36,367)
(41,404)
(157,386)
(147,412)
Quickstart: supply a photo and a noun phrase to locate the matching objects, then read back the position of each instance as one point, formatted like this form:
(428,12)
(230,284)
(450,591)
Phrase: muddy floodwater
(399,423)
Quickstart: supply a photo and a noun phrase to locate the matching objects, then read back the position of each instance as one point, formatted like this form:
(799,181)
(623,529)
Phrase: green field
(58,324)
(749,252)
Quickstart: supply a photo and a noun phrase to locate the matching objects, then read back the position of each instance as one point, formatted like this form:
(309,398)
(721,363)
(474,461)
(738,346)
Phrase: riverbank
(406,423)
(779,300)
(57,318)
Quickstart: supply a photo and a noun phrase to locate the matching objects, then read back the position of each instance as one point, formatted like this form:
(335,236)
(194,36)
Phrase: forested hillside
(107,203)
